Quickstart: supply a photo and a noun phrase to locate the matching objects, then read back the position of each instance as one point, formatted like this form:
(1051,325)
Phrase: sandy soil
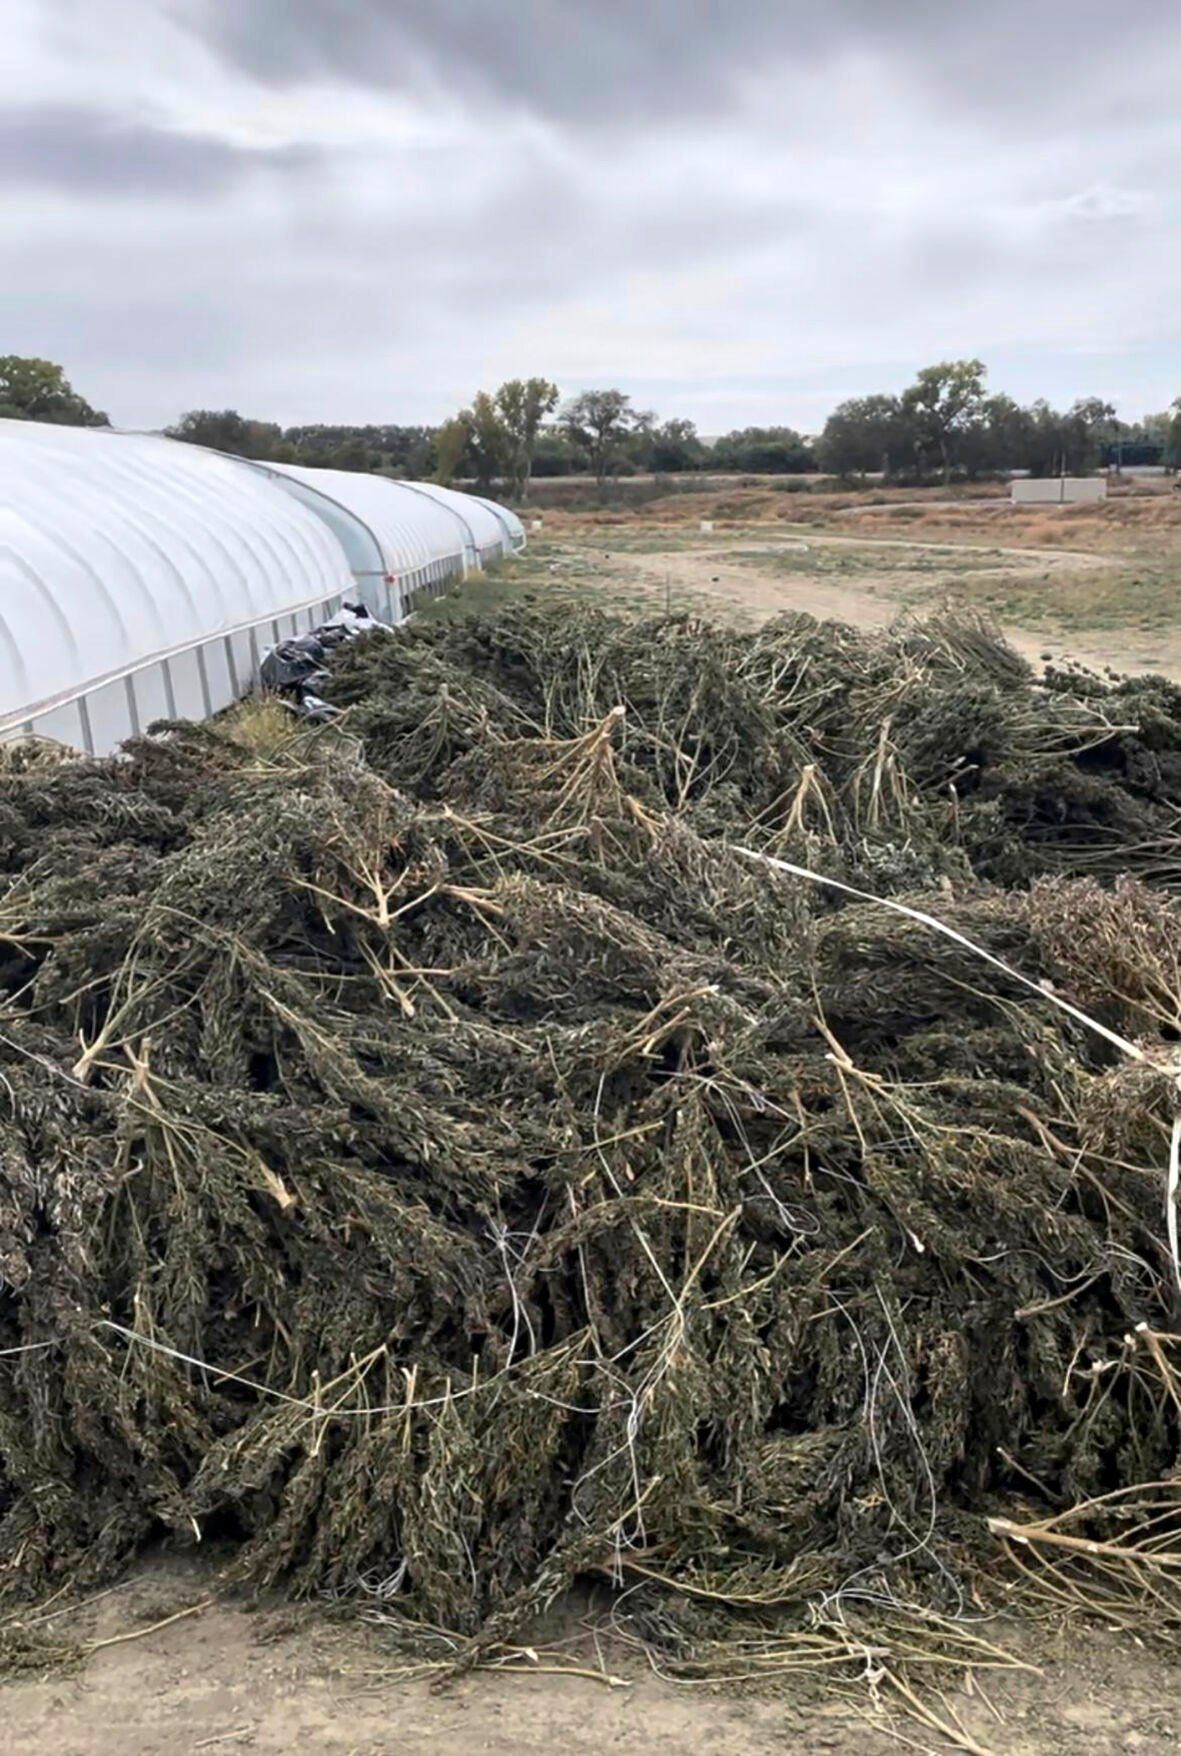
(1098,583)
(222,1678)
(750,589)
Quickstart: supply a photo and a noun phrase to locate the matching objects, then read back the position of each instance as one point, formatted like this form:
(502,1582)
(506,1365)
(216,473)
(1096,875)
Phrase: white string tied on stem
(1130,1049)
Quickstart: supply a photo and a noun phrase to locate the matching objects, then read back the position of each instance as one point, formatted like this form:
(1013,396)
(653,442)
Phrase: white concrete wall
(1058,490)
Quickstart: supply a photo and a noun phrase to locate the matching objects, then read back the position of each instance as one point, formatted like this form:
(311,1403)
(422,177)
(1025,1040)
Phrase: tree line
(945,426)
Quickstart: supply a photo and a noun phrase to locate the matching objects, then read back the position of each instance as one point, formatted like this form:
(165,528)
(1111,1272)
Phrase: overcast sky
(738,210)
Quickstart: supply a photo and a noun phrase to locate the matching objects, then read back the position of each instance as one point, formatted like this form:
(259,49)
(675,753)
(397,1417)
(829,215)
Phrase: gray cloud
(80,150)
(661,60)
(349,209)
(567,59)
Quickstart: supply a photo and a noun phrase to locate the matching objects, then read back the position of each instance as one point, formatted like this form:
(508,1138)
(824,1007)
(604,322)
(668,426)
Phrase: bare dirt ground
(1097,584)
(748,585)
(180,1667)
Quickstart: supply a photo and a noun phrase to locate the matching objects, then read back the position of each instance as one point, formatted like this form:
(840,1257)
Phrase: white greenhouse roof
(413,531)
(117,550)
(489,527)
(513,527)
(142,579)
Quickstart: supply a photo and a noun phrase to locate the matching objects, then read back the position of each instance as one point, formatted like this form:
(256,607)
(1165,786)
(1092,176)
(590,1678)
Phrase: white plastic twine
(1134,1053)
(1171,1195)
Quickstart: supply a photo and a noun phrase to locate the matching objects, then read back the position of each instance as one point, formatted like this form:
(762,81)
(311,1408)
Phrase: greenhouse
(143,579)
(492,531)
(399,540)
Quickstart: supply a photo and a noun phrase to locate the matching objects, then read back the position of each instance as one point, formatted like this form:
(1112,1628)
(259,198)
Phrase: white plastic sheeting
(513,528)
(141,578)
(489,528)
(420,542)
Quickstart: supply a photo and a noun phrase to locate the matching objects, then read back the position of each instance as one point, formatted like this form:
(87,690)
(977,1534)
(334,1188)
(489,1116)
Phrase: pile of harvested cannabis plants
(436,1159)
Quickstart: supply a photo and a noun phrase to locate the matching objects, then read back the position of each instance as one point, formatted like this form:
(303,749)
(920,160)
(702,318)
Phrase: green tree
(227,430)
(38,390)
(675,447)
(764,451)
(1073,443)
(641,438)
(598,422)
(1091,428)
(664,447)
(451,443)
(355,454)
(1046,440)
(997,441)
(945,401)
(1007,427)
(488,441)
(1172,452)
(865,435)
(522,405)
(556,456)
(394,450)
(869,435)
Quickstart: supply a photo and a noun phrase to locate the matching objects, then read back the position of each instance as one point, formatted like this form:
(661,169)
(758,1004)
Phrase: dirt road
(747,580)
(218,1678)
(223,1679)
